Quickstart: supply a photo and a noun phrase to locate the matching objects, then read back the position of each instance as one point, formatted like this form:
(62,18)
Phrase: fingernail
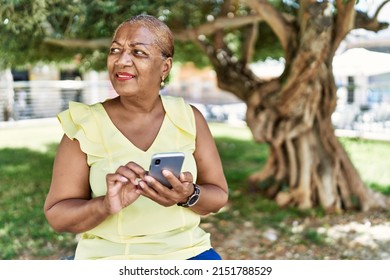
(136,181)
(124,179)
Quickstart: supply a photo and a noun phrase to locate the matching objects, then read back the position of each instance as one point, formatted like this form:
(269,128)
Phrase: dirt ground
(357,236)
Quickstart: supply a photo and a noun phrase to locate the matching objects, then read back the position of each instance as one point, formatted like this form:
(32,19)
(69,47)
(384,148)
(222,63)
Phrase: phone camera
(157,161)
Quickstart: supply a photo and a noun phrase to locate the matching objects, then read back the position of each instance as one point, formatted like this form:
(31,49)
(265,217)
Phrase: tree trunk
(309,168)
(307,165)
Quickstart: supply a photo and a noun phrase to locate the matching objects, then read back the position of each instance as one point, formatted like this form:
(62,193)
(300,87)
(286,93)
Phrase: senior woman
(100,184)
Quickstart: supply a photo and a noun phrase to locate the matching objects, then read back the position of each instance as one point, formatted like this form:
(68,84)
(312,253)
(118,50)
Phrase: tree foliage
(29,28)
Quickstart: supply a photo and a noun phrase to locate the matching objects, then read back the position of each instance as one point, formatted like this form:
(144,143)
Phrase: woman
(100,185)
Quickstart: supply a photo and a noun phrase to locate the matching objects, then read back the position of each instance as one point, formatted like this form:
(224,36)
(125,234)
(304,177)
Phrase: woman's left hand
(182,188)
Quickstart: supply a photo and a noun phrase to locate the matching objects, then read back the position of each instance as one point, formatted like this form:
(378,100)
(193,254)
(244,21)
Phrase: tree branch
(274,19)
(211,27)
(362,20)
(181,35)
(249,44)
(219,33)
(380,8)
(344,22)
(102,43)
(348,18)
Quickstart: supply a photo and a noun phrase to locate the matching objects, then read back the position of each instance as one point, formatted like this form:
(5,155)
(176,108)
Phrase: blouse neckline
(122,137)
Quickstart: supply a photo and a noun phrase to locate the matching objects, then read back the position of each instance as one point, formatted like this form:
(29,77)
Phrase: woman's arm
(68,205)
(211,179)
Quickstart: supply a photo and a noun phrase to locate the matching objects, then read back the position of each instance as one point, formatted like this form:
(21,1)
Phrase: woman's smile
(124,76)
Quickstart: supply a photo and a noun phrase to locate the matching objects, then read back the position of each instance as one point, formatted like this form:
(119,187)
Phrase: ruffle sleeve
(79,122)
(180,113)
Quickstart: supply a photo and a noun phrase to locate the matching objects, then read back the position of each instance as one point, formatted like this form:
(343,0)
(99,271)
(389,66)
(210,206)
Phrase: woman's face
(135,63)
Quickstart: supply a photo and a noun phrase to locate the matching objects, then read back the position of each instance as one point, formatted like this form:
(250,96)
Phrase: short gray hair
(164,36)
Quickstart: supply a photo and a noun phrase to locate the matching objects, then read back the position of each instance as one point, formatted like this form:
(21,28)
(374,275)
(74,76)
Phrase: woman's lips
(124,76)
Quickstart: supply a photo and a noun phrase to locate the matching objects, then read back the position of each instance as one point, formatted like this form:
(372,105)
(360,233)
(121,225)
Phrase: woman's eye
(114,50)
(139,53)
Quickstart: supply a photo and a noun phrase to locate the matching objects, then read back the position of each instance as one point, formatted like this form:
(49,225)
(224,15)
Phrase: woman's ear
(166,66)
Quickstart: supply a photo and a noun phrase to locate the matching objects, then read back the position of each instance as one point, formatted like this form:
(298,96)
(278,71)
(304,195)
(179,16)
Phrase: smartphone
(171,161)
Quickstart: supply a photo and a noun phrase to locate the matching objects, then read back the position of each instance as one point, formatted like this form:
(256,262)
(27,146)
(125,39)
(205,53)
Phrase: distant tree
(307,165)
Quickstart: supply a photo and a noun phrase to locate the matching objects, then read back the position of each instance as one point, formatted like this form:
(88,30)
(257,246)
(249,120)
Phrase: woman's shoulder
(79,114)
(179,112)
(78,106)
(175,106)
(79,122)
(172,99)
(78,111)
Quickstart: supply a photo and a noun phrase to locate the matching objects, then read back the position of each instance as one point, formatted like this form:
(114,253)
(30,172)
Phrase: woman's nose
(125,59)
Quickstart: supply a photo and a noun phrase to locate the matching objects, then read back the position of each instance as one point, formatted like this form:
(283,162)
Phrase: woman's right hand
(122,187)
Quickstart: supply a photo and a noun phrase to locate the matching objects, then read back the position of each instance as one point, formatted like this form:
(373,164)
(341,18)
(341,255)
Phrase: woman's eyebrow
(115,42)
(139,44)
(134,44)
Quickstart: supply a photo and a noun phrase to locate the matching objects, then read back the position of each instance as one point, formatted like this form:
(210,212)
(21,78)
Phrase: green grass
(371,159)
(24,182)
(27,154)
(35,135)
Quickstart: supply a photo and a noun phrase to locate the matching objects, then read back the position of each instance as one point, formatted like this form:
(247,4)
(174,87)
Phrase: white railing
(45,99)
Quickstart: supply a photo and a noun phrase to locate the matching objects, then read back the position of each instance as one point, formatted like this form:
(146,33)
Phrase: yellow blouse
(144,229)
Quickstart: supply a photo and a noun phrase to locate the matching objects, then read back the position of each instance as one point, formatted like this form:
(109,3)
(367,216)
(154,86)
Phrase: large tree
(307,165)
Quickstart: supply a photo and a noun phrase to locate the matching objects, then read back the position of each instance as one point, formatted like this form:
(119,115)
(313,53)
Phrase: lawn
(26,157)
